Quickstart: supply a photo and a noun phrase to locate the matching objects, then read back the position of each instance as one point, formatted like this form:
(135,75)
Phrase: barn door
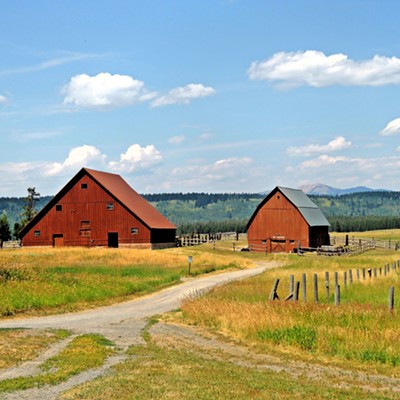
(58,240)
(278,246)
(113,239)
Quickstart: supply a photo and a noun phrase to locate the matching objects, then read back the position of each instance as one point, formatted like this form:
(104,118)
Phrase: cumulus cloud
(136,157)
(314,68)
(3,99)
(104,91)
(336,144)
(77,158)
(392,128)
(183,95)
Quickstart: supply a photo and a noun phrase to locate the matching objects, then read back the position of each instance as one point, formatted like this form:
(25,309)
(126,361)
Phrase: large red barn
(99,209)
(284,220)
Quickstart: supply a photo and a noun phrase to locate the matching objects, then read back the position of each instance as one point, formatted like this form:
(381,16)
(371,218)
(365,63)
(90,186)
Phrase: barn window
(84,186)
(263,241)
(58,207)
(110,206)
(36,233)
(134,231)
(85,224)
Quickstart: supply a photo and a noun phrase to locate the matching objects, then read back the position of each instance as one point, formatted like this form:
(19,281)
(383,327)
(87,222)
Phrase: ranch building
(99,209)
(285,220)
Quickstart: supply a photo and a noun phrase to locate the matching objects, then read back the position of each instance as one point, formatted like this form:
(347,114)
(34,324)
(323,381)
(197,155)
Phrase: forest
(228,212)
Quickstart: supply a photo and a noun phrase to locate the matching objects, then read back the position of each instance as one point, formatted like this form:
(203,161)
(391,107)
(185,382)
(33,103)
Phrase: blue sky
(200,96)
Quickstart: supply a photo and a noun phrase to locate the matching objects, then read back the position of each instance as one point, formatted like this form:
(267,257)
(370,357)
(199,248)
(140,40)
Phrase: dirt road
(122,323)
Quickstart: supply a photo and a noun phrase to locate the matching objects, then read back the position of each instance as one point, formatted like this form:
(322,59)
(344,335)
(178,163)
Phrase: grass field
(360,332)
(57,280)
(359,335)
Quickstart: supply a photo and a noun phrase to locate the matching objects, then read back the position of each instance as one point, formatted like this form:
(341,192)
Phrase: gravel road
(122,323)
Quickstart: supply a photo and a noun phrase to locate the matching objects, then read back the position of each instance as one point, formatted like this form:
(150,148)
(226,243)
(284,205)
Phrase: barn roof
(308,209)
(119,189)
(132,200)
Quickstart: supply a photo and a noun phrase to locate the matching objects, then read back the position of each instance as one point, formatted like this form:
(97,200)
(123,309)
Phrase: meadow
(358,336)
(359,332)
(53,280)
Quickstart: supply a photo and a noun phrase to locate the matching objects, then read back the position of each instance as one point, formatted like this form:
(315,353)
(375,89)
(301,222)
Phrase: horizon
(220,96)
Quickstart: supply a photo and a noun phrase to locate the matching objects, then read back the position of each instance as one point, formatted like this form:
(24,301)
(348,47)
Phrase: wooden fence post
(291,284)
(336,282)
(304,284)
(273,295)
(315,288)
(391,299)
(327,285)
(363,273)
(358,274)
(337,295)
(345,279)
(350,276)
(296,291)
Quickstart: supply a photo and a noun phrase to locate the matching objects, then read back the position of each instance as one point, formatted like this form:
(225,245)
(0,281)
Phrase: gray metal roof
(309,210)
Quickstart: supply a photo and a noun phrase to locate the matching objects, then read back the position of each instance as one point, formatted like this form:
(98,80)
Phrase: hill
(231,211)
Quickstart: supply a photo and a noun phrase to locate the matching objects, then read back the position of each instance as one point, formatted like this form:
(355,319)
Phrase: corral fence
(11,244)
(349,240)
(345,278)
(202,238)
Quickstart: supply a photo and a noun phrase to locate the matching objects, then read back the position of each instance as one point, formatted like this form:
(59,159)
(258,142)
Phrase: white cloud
(105,91)
(336,144)
(176,139)
(183,95)
(316,69)
(392,128)
(78,157)
(3,99)
(136,157)
(226,174)
(322,161)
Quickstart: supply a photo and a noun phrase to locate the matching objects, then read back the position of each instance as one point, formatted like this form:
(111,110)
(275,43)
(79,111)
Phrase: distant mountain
(325,190)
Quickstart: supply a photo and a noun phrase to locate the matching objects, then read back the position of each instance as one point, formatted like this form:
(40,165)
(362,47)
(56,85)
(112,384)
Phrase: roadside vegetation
(40,281)
(360,332)
(83,353)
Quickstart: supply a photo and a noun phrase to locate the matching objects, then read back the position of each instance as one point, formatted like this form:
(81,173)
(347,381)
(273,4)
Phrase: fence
(201,238)
(354,241)
(348,278)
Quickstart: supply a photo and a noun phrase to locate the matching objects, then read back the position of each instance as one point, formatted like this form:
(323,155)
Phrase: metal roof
(309,210)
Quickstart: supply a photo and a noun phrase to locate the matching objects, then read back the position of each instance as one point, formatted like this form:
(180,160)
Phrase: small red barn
(99,209)
(285,219)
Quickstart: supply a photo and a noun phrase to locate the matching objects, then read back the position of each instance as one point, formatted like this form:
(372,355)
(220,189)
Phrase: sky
(200,96)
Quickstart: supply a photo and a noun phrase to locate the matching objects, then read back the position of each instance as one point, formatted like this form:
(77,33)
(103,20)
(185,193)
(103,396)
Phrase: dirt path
(194,340)
(122,323)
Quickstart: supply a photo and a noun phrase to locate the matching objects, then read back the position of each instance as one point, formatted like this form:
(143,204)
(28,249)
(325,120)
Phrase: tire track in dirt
(121,323)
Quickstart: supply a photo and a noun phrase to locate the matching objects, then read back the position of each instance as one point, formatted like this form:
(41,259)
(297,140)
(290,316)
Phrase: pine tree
(5,233)
(29,208)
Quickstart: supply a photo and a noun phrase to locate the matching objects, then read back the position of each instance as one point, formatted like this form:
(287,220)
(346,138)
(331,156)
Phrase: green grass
(84,352)
(158,373)
(360,332)
(58,280)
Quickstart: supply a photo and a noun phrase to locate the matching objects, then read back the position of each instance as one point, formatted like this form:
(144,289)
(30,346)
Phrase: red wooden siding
(278,226)
(85,214)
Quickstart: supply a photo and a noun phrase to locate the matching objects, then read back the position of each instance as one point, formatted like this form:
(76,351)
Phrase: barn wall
(278,226)
(79,206)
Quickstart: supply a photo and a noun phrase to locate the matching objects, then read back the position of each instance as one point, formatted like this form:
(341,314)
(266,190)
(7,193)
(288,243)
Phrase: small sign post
(190,259)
